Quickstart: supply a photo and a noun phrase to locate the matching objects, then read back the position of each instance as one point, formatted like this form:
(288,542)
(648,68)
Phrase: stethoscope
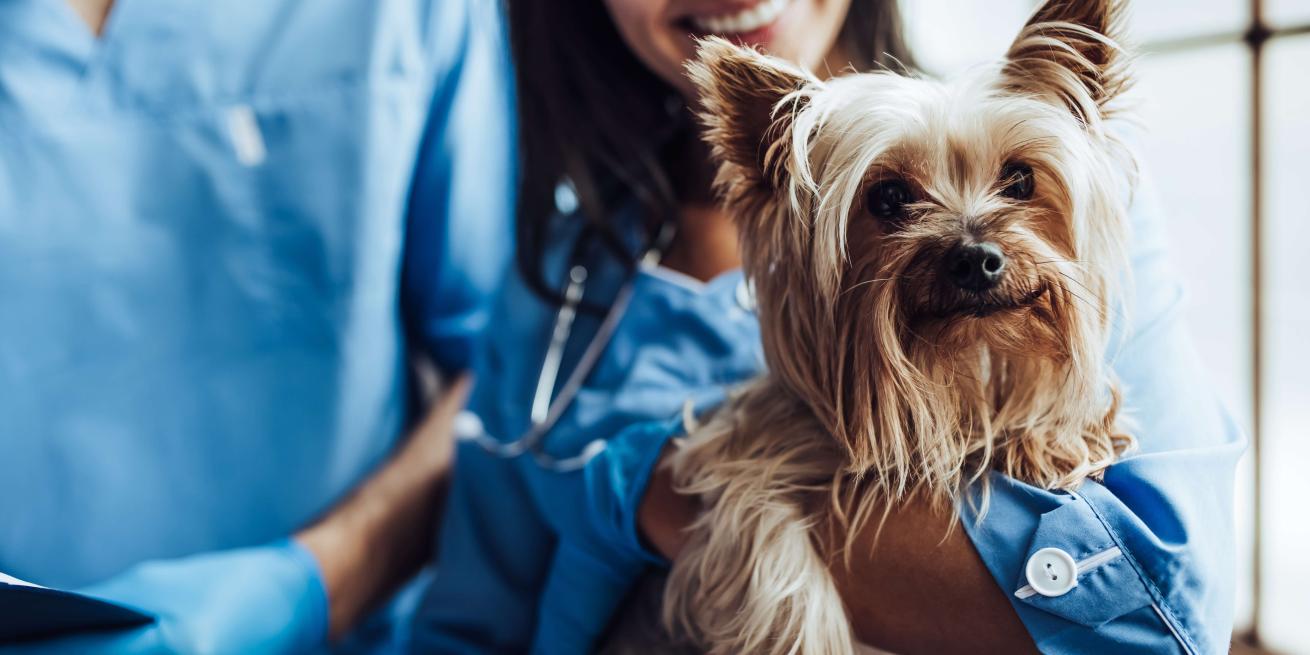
(548,406)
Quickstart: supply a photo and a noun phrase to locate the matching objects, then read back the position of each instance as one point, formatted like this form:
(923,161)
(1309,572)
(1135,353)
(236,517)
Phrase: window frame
(1256,36)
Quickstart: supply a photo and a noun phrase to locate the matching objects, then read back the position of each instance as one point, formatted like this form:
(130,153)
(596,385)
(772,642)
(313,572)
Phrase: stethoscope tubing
(546,411)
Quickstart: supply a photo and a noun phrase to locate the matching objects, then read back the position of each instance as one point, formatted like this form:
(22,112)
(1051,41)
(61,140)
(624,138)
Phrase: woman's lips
(744,24)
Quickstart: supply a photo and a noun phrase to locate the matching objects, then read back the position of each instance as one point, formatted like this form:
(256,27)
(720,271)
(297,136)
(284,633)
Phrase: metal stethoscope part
(547,406)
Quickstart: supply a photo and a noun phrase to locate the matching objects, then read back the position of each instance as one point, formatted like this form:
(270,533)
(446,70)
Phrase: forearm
(921,590)
(381,535)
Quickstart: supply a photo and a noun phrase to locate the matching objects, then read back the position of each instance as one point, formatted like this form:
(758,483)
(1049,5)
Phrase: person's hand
(379,537)
(260,600)
(664,514)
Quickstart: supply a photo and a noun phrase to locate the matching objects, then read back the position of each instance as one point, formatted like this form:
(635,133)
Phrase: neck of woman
(94,12)
(707,242)
(706,245)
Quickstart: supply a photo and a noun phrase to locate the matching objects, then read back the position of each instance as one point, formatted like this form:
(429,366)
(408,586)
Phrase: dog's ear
(747,102)
(1070,51)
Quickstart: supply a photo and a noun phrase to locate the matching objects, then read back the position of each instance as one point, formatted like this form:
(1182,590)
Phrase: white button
(745,294)
(1052,572)
(247,140)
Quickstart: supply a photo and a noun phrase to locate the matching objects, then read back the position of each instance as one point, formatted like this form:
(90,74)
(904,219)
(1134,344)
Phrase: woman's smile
(663,33)
(753,25)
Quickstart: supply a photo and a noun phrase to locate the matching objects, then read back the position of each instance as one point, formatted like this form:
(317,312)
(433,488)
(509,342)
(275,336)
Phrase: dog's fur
(884,381)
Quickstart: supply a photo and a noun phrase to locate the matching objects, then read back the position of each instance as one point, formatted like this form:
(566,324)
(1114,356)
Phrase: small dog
(936,265)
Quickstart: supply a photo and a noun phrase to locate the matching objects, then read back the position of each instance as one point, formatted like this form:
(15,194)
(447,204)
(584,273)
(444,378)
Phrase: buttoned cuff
(579,599)
(1075,569)
(1057,559)
(312,610)
(617,479)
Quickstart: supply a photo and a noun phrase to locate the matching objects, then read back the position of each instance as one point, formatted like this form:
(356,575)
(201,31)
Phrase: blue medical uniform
(533,558)
(223,227)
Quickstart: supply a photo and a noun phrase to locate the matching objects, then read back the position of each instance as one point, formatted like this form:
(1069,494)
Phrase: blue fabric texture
(680,341)
(535,560)
(1075,528)
(224,228)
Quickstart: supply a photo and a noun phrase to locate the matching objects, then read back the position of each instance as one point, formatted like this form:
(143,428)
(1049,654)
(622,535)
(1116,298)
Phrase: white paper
(9,579)
(247,140)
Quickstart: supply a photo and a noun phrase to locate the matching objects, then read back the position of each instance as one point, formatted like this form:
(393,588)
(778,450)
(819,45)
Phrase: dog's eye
(887,199)
(1018,181)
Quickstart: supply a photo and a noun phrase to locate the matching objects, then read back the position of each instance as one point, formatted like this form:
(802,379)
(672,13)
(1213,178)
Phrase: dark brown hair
(592,114)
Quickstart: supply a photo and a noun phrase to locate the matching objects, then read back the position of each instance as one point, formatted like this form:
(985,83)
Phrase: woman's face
(662,32)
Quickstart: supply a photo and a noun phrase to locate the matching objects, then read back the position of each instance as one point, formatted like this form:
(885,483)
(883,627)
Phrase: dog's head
(935,262)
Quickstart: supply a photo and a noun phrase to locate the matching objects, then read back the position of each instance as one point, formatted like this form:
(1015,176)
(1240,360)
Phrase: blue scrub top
(219,223)
(536,559)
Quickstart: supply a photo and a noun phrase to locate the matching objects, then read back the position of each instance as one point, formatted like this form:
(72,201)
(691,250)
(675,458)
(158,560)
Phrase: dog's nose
(976,266)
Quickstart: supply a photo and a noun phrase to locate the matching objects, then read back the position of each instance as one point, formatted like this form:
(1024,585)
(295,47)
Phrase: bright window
(1285,444)
(1198,105)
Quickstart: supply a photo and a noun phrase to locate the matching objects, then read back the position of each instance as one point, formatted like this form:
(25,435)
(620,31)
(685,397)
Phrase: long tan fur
(879,387)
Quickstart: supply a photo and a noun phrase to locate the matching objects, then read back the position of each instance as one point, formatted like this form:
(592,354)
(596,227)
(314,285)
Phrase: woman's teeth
(746,20)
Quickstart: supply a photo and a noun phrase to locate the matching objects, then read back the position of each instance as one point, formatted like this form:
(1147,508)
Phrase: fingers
(451,400)
(455,396)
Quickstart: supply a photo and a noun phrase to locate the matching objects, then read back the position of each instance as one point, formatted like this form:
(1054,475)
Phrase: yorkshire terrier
(936,266)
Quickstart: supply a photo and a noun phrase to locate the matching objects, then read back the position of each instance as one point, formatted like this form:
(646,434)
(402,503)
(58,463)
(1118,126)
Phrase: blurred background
(1224,98)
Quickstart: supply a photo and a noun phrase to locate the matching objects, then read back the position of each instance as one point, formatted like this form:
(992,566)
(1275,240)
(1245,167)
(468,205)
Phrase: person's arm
(383,533)
(925,590)
(922,574)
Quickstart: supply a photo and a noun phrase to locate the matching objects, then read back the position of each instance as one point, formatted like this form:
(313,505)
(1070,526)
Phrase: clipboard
(29,611)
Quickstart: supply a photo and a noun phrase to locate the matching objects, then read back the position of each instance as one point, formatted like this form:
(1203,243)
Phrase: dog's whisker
(857,285)
(1100,312)
(1071,262)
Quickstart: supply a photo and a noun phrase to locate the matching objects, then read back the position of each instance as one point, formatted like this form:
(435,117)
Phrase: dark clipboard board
(29,612)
